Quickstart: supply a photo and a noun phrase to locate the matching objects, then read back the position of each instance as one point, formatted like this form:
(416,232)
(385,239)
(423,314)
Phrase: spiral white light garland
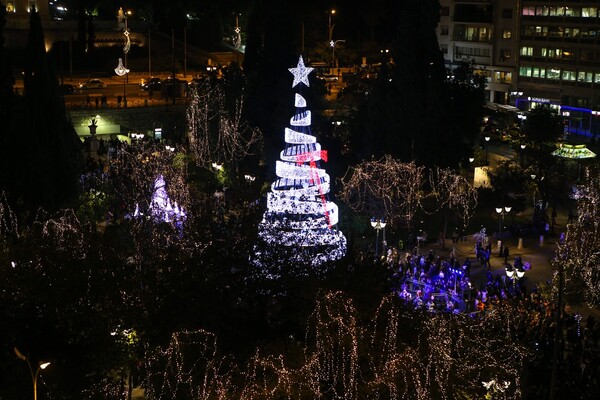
(298,210)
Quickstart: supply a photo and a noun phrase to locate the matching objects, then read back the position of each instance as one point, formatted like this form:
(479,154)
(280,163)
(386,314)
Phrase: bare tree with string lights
(578,255)
(389,185)
(453,191)
(217,132)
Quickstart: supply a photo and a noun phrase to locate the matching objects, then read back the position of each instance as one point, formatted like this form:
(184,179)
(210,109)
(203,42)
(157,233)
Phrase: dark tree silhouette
(406,115)
(47,155)
(6,97)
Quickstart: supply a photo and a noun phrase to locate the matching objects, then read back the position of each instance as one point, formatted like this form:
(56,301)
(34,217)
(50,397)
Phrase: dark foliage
(46,157)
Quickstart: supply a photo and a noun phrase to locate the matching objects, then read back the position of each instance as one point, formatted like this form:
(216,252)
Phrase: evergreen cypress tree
(6,78)
(6,101)
(51,173)
(407,110)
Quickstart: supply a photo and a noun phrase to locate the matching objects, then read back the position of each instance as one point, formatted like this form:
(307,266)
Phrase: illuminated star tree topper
(300,73)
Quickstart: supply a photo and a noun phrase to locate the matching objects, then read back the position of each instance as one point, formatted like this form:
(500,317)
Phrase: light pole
(487,144)
(515,274)
(121,69)
(333,43)
(34,376)
(378,224)
(523,146)
(330,27)
(471,159)
(501,211)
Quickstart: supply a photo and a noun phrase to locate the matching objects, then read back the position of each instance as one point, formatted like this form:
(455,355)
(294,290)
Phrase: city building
(483,32)
(559,60)
(532,52)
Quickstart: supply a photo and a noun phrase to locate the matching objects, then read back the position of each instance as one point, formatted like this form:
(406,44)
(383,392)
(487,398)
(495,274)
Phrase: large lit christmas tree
(300,219)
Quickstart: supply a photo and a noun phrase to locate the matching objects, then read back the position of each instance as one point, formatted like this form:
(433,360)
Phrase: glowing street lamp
(502,211)
(514,273)
(523,146)
(471,159)
(487,140)
(334,43)
(34,376)
(378,224)
(330,26)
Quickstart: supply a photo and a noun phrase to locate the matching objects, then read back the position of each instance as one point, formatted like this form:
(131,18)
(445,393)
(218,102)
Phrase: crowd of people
(431,282)
(444,284)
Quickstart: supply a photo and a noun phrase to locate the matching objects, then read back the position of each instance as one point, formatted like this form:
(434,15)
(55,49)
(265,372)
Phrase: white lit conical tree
(300,219)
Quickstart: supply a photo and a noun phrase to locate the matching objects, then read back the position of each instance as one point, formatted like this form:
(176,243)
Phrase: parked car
(173,87)
(328,77)
(92,84)
(151,83)
(67,89)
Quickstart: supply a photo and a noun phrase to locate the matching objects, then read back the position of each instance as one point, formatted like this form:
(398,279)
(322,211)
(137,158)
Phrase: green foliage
(543,126)
(93,206)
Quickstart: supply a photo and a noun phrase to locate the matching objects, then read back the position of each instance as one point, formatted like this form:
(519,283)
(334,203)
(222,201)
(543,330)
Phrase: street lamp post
(487,144)
(471,159)
(34,376)
(501,211)
(515,274)
(330,27)
(378,224)
(333,43)
(523,146)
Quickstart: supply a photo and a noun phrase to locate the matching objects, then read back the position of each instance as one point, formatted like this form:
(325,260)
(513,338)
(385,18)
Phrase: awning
(573,151)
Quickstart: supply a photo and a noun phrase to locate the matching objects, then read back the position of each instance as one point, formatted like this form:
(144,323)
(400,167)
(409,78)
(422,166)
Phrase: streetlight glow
(501,211)
(34,375)
(378,224)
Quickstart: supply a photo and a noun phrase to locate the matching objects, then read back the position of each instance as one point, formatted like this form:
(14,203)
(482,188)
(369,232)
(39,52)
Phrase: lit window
(526,51)
(32,6)
(589,12)
(525,71)
(10,6)
(506,34)
(583,76)
(568,75)
(553,73)
(528,10)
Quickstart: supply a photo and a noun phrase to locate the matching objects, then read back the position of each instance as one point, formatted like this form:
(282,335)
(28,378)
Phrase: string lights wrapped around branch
(218,133)
(393,186)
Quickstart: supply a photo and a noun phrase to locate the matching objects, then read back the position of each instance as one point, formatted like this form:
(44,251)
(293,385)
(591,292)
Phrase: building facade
(532,52)
(559,60)
(483,32)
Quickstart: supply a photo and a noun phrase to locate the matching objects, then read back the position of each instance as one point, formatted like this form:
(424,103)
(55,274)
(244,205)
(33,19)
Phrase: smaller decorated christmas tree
(161,209)
(300,219)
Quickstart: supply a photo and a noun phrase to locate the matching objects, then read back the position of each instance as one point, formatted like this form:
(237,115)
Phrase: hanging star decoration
(237,40)
(300,73)
(127,41)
